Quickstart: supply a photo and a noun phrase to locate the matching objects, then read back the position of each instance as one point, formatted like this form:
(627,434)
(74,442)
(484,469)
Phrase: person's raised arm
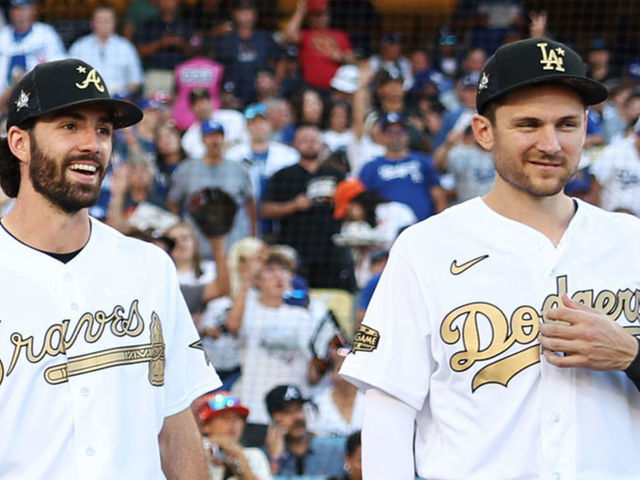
(221,286)
(291,30)
(361,100)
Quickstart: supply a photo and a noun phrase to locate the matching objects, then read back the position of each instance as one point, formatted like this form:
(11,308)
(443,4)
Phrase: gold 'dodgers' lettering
(462,325)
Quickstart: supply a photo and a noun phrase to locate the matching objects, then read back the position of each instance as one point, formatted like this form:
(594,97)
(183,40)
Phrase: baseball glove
(213,211)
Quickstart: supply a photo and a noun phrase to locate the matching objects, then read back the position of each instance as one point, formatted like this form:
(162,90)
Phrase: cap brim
(239,409)
(123,113)
(343,86)
(591,91)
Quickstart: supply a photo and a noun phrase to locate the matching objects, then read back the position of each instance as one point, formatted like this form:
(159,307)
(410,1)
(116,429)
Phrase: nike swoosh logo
(458,269)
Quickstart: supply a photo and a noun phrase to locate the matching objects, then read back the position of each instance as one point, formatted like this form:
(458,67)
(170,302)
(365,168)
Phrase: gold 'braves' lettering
(58,338)
(551,59)
(122,325)
(92,78)
(485,333)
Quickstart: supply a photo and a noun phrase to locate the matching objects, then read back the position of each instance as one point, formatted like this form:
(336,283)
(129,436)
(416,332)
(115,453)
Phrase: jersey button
(66,277)
(556,476)
(90,451)
(555,417)
(84,391)
(74,306)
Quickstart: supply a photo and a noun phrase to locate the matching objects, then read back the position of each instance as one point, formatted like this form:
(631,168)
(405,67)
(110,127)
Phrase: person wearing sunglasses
(221,418)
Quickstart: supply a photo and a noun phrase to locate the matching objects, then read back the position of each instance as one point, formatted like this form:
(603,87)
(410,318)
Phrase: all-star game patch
(365,340)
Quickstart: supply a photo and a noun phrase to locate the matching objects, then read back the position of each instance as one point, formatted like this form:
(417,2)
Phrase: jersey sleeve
(188,373)
(367,175)
(391,351)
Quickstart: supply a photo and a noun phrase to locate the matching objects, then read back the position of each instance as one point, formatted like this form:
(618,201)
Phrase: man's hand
(274,441)
(588,338)
(302,203)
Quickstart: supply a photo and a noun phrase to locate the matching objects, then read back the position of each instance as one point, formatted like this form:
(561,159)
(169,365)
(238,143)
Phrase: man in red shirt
(321,50)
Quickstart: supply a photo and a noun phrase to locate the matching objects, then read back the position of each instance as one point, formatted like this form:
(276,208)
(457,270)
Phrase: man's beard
(48,179)
(310,155)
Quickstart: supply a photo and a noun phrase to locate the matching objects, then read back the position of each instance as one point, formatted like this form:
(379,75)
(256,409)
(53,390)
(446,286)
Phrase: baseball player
(503,327)
(99,357)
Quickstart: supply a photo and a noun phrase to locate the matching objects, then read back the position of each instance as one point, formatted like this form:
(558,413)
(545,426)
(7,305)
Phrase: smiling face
(536,138)
(69,156)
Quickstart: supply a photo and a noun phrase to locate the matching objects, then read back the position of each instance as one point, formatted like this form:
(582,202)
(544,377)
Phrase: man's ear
(19,143)
(482,131)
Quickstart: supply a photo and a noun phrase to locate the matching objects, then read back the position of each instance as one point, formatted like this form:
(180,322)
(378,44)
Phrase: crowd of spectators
(332,137)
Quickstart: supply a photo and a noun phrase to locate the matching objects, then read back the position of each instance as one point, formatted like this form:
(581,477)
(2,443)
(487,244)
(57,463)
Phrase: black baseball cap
(53,86)
(281,396)
(536,61)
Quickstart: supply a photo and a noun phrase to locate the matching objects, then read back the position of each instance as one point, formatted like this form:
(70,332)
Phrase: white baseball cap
(346,79)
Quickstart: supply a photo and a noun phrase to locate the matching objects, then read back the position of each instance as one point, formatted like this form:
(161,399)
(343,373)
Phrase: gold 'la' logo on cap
(552,59)
(91,78)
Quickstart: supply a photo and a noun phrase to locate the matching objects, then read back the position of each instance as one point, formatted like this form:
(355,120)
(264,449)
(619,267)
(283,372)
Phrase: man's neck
(259,145)
(298,445)
(245,32)
(213,159)
(271,301)
(396,155)
(309,165)
(549,215)
(39,224)
(102,40)
(392,104)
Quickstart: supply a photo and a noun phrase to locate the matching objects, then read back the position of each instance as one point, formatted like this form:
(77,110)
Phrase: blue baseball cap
(22,3)
(211,126)
(255,109)
(147,104)
(392,118)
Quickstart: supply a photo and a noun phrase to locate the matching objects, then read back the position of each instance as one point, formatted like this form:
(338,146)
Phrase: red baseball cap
(317,5)
(212,404)
(344,193)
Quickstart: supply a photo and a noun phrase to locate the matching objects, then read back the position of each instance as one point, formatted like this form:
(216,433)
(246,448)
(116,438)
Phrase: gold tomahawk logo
(152,353)
(458,269)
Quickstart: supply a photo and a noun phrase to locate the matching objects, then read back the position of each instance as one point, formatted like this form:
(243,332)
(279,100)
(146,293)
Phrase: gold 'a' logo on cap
(91,78)
(552,59)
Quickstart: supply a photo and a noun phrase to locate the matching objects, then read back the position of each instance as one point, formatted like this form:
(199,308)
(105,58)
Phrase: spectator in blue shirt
(401,175)
(291,448)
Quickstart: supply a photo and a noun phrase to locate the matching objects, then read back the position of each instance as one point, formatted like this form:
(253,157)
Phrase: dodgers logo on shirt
(461,327)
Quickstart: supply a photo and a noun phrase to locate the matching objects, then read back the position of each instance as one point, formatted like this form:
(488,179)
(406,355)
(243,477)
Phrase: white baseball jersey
(94,354)
(452,330)
(17,57)
(274,347)
(617,170)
